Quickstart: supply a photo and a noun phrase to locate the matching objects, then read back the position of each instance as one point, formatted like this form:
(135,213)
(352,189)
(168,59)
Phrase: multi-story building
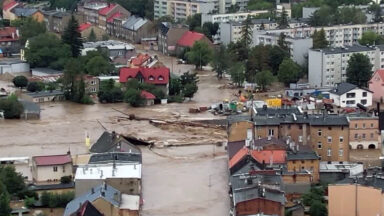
(182,9)
(9,40)
(160,8)
(222,18)
(90,11)
(328,67)
(56,20)
(107,14)
(224,5)
(350,95)
(364,131)
(168,36)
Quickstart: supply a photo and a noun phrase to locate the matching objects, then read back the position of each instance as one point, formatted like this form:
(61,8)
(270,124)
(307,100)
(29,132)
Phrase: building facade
(51,168)
(364,132)
(349,95)
(182,9)
(376,85)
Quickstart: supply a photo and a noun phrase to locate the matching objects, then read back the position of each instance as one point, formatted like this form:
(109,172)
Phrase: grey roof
(254,192)
(372,181)
(346,49)
(234,147)
(310,155)
(343,88)
(300,188)
(51,186)
(104,191)
(30,107)
(134,23)
(24,12)
(277,111)
(110,142)
(117,157)
(240,180)
(45,93)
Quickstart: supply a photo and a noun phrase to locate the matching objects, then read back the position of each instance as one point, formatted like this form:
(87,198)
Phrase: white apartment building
(328,67)
(182,9)
(160,8)
(338,35)
(224,5)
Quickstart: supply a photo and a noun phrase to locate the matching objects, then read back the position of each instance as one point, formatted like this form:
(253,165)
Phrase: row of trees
(327,15)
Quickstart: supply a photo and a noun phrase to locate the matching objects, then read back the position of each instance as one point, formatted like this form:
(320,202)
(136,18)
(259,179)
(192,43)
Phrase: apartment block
(224,5)
(328,67)
(182,9)
(160,8)
(364,132)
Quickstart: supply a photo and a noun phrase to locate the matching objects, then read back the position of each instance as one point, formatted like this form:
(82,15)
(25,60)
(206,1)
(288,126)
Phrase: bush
(29,201)
(35,86)
(54,200)
(66,179)
(12,107)
(111,96)
(176,98)
(133,97)
(86,99)
(20,81)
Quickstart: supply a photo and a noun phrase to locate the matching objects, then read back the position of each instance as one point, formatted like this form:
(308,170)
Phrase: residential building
(87,209)
(168,36)
(90,11)
(363,196)
(227,17)
(36,14)
(13,66)
(332,172)
(160,8)
(59,188)
(303,89)
(56,20)
(31,110)
(44,96)
(119,52)
(23,165)
(376,85)
(110,12)
(117,157)
(9,40)
(112,142)
(349,95)
(126,177)
(224,5)
(328,67)
(85,30)
(188,39)
(303,159)
(51,167)
(141,60)
(92,84)
(149,98)
(364,131)
(107,200)
(182,9)
(8,5)
(157,76)
(337,35)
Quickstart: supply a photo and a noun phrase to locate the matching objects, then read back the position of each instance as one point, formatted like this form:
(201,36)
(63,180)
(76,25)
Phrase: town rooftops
(112,142)
(341,167)
(140,59)
(107,9)
(9,34)
(267,178)
(9,5)
(255,192)
(103,191)
(277,111)
(30,107)
(115,157)
(50,160)
(159,75)
(105,171)
(134,23)
(24,12)
(110,44)
(189,38)
(84,26)
(115,15)
(300,155)
(261,156)
(346,49)
(51,186)
(376,181)
(380,72)
(45,93)
(343,88)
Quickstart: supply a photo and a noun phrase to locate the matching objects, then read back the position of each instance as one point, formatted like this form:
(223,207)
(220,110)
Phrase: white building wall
(45,173)
(348,101)
(315,68)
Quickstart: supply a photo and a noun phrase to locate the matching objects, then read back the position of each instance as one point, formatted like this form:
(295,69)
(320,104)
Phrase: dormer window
(151,78)
(161,78)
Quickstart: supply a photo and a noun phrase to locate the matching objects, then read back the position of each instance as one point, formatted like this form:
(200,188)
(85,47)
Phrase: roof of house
(84,26)
(255,192)
(264,177)
(52,186)
(107,9)
(346,49)
(140,59)
(234,147)
(106,171)
(45,93)
(115,157)
(277,111)
(381,74)
(300,155)
(9,5)
(147,95)
(24,12)
(131,202)
(189,38)
(112,142)
(159,75)
(134,23)
(8,34)
(115,15)
(261,156)
(104,191)
(343,88)
(87,209)
(30,107)
(50,160)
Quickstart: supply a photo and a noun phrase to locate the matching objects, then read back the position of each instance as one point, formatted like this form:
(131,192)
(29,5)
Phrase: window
(151,78)
(300,127)
(329,139)
(63,169)
(356,126)
(341,139)
(341,152)
(319,145)
(270,132)
(161,78)
(351,95)
(329,128)
(363,102)
(364,125)
(371,125)
(319,132)
(350,102)
(363,135)
(55,169)
(329,152)
(364,94)
(356,136)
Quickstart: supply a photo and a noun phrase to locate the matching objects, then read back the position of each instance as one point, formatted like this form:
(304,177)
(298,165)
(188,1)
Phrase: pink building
(376,85)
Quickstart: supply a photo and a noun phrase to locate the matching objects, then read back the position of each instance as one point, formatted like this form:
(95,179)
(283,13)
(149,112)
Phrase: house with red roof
(8,5)
(110,12)
(188,39)
(158,76)
(9,40)
(85,30)
(376,85)
(51,167)
(149,98)
(141,60)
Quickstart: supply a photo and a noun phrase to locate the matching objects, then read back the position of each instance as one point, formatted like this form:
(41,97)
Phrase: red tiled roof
(276,156)
(189,38)
(84,26)
(115,15)
(6,34)
(104,11)
(140,59)
(147,95)
(52,160)
(158,75)
(238,157)
(9,5)
(381,74)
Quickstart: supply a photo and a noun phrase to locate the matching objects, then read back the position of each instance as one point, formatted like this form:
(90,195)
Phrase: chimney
(92,190)
(113,135)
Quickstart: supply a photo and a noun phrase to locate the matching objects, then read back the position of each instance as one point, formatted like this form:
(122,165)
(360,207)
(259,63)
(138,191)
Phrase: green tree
(260,5)
(322,17)
(246,33)
(5,209)
(12,107)
(319,40)
(318,209)
(46,50)
(264,79)
(189,90)
(234,8)
(348,15)
(237,72)
(282,42)
(282,22)
(175,86)
(376,10)
(359,70)
(258,61)
(371,38)
(200,54)
(29,28)
(45,197)
(289,71)
(133,97)
(276,57)
(315,194)
(221,61)
(187,78)
(13,181)
(92,36)
(105,37)
(35,86)
(72,37)
(210,29)
(29,201)
(97,66)
(194,22)
(20,81)
(71,71)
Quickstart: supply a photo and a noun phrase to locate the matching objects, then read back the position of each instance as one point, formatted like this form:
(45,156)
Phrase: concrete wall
(315,68)
(14,68)
(45,173)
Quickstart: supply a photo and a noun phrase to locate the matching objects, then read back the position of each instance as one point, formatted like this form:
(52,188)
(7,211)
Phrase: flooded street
(176,181)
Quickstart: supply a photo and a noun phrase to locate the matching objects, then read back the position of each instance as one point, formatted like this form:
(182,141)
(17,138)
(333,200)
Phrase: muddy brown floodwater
(176,181)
